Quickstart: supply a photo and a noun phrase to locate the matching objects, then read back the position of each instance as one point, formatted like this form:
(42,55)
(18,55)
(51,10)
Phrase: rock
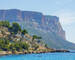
(46,26)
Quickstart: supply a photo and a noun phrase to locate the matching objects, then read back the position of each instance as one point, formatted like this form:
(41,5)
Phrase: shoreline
(3,53)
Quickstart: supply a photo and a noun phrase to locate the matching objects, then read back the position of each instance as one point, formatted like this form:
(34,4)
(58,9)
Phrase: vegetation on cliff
(13,38)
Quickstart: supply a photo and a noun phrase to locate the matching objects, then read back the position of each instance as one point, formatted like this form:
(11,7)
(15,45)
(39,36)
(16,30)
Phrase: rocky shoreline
(30,52)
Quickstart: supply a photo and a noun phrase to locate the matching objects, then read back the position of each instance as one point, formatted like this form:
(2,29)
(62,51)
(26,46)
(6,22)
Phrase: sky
(64,9)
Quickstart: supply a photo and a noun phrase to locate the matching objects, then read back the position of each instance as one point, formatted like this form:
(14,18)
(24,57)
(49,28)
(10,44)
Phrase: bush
(24,32)
(16,27)
(4,23)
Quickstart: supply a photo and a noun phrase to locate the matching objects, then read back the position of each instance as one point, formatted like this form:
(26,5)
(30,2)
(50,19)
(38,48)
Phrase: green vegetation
(36,37)
(16,27)
(24,32)
(46,45)
(11,38)
(4,23)
(36,46)
(5,45)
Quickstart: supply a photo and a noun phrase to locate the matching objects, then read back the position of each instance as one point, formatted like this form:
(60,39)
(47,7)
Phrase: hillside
(14,39)
(46,26)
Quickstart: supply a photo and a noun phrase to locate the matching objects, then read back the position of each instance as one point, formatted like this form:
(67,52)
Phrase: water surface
(43,56)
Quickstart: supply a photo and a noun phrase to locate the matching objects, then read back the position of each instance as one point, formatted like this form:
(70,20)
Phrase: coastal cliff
(38,20)
(46,26)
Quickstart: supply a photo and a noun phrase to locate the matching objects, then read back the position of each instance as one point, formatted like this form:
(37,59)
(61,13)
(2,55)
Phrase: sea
(41,56)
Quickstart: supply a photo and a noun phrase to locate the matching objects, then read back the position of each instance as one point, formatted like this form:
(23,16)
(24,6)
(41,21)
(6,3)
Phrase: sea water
(42,56)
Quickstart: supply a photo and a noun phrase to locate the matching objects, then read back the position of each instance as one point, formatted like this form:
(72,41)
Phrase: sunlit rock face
(38,20)
(46,26)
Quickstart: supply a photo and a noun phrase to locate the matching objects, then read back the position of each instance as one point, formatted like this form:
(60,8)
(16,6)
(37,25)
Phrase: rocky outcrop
(31,52)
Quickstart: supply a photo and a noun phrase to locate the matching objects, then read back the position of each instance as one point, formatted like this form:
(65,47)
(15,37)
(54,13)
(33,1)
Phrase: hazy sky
(64,9)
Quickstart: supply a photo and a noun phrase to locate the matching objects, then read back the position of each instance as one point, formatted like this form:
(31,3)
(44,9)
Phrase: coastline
(2,53)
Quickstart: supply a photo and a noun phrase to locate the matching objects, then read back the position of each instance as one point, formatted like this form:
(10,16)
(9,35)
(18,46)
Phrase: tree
(5,23)
(16,27)
(35,46)
(6,47)
(36,37)
(46,45)
(25,45)
(39,37)
(17,46)
(6,41)
(24,32)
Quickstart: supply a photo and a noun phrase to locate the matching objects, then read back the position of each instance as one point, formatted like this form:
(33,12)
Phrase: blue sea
(42,56)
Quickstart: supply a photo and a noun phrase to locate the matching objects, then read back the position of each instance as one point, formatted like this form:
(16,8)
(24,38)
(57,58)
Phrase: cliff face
(38,20)
(46,26)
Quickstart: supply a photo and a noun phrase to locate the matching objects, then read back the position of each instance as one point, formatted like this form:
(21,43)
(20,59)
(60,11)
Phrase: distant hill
(46,26)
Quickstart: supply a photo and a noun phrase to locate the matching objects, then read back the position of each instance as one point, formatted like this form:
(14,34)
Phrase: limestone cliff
(46,26)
